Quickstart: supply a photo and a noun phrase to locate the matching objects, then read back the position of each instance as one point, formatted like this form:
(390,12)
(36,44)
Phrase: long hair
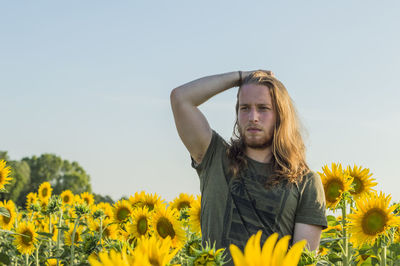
(288,149)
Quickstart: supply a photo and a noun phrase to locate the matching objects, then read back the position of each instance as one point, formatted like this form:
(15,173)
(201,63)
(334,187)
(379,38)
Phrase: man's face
(256,116)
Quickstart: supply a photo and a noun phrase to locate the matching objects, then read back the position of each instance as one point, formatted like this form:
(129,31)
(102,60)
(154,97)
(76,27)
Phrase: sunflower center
(106,232)
(150,206)
(66,198)
(142,225)
(154,262)
(27,237)
(77,237)
(183,204)
(44,192)
(7,219)
(165,228)
(86,201)
(357,186)
(122,214)
(374,222)
(334,190)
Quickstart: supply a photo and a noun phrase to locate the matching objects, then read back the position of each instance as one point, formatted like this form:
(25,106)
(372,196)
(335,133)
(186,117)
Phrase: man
(260,181)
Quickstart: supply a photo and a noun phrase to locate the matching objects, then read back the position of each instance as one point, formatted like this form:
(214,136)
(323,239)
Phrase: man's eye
(244,108)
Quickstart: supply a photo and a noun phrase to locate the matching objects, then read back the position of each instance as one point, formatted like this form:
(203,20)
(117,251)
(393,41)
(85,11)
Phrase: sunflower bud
(81,209)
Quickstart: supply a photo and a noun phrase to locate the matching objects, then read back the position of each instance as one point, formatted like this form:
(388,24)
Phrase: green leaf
(4,258)
(45,234)
(327,240)
(7,231)
(331,218)
(4,212)
(334,258)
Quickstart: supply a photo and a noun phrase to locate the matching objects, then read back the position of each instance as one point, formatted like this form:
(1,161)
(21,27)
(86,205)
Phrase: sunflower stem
(101,229)
(73,239)
(59,235)
(345,255)
(50,240)
(37,255)
(26,259)
(383,255)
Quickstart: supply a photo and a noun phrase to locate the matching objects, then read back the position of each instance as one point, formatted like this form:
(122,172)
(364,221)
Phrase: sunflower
(4,173)
(54,229)
(140,223)
(53,262)
(138,199)
(372,218)
(195,215)
(44,192)
(67,197)
(157,251)
(7,223)
(152,201)
(165,223)
(335,183)
(122,258)
(78,233)
(122,211)
(270,254)
(31,198)
(199,255)
(182,202)
(106,208)
(78,200)
(362,183)
(87,198)
(397,235)
(109,229)
(26,238)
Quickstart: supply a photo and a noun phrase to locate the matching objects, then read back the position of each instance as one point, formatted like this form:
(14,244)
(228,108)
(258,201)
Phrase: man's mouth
(253,129)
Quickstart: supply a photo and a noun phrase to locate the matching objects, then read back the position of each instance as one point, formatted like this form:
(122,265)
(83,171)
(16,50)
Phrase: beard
(259,143)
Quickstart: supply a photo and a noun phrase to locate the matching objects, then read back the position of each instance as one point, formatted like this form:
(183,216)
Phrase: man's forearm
(200,90)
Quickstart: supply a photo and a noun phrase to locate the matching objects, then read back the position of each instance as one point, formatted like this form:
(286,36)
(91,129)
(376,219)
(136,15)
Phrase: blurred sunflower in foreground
(372,218)
(272,253)
(335,182)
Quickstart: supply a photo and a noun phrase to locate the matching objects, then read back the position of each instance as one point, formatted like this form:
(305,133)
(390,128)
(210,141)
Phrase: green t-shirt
(233,209)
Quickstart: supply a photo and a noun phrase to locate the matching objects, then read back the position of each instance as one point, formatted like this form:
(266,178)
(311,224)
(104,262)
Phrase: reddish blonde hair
(288,148)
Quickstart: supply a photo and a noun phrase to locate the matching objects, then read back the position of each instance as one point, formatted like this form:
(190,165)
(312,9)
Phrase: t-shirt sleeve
(311,208)
(212,154)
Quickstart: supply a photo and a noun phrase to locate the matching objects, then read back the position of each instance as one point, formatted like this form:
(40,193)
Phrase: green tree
(20,174)
(100,198)
(30,172)
(61,174)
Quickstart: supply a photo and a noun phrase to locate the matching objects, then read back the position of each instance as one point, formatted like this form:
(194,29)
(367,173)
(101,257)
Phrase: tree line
(28,173)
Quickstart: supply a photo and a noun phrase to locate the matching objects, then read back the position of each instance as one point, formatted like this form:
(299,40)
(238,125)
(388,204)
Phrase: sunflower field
(70,229)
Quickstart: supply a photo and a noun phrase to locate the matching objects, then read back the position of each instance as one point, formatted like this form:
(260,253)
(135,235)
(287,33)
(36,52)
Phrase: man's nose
(253,115)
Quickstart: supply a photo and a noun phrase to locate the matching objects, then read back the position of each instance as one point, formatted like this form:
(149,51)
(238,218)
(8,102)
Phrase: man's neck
(262,156)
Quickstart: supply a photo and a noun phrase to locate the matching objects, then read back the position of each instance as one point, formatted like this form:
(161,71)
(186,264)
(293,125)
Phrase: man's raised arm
(192,126)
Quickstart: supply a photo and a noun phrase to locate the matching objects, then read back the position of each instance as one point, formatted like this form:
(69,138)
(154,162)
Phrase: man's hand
(247,73)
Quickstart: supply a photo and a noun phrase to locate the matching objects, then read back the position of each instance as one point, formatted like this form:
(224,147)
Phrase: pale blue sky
(90,81)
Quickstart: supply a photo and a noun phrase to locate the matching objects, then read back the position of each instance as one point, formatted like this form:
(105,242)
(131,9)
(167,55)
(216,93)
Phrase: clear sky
(90,82)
